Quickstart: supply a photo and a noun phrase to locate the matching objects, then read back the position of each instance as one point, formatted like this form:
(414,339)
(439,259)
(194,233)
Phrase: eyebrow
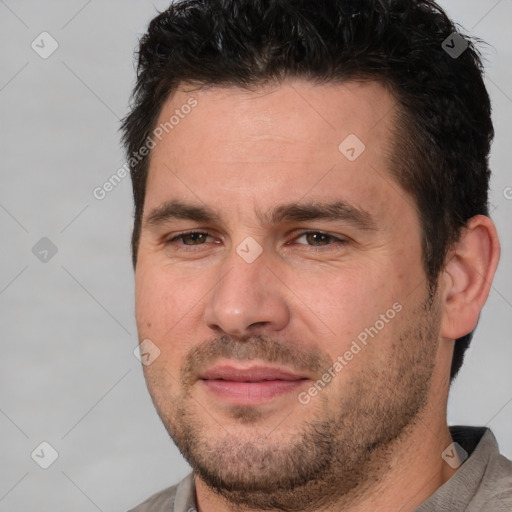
(288,212)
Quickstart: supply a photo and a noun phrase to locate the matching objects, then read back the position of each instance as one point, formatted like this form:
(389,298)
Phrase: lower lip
(252,392)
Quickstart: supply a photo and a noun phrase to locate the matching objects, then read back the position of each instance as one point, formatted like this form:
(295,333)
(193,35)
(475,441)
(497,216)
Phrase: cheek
(146,288)
(346,288)
(166,310)
(159,301)
(344,305)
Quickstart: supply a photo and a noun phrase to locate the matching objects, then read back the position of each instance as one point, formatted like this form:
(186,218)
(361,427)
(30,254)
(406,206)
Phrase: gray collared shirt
(482,484)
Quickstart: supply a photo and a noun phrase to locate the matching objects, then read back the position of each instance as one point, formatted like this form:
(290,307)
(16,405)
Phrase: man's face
(257,306)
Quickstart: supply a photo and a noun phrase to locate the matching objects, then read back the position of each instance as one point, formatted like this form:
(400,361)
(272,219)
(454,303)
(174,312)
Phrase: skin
(372,438)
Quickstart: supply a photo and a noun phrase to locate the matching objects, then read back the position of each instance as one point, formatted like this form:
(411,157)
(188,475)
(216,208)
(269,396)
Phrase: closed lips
(255,374)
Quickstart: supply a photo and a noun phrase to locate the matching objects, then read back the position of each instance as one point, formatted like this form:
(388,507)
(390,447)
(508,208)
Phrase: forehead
(316,115)
(287,140)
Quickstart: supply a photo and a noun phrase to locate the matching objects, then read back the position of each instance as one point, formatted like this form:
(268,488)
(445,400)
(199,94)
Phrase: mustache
(252,347)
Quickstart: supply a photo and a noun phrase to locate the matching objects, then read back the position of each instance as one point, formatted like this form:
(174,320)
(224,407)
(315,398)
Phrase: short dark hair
(443,127)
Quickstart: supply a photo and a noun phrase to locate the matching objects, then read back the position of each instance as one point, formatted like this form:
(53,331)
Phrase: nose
(248,298)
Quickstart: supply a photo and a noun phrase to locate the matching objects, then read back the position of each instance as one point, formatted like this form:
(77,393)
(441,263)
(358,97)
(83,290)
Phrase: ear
(467,276)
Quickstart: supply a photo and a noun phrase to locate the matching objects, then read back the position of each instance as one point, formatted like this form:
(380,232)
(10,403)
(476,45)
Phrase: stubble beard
(332,459)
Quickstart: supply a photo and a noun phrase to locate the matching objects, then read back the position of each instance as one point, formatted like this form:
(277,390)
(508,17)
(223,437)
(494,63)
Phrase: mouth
(252,385)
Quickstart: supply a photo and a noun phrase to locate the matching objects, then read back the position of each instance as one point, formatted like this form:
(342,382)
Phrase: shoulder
(496,485)
(178,498)
(162,501)
(494,490)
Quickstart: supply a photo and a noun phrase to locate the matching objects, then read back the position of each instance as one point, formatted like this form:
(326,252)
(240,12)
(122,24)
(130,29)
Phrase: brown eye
(319,239)
(190,238)
(194,238)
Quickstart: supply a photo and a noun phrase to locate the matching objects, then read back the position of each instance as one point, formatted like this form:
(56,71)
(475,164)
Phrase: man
(312,250)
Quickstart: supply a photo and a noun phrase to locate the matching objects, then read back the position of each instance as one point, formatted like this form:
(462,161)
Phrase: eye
(319,239)
(313,239)
(189,238)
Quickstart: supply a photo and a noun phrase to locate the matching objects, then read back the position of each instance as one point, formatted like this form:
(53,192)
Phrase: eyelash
(338,241)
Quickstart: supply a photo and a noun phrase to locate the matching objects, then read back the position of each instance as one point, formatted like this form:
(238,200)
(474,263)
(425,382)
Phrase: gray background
(68,373)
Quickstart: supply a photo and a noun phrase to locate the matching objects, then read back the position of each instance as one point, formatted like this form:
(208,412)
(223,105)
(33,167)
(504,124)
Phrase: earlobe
(467,276)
